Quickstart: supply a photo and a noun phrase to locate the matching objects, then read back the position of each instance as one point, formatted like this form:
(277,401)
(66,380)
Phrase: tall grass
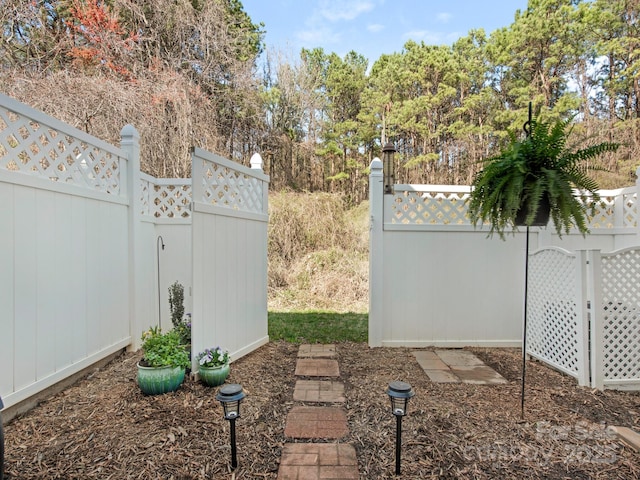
(318,253)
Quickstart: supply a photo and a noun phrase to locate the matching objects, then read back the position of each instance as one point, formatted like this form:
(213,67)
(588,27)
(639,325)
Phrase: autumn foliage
(99,39)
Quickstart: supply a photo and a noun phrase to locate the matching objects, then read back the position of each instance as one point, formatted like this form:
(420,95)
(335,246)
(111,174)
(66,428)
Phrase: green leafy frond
(528,171)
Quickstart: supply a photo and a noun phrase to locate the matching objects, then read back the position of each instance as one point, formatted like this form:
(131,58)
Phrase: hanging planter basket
(541,218)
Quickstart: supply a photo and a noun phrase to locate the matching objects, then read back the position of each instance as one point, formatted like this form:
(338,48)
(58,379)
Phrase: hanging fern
(537,171)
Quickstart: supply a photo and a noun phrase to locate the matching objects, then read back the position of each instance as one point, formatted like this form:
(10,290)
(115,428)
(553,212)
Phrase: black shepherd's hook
(527,125)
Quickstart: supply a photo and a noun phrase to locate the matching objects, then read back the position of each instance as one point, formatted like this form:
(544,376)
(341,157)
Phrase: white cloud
(337,10)
(375,28)
(443,17)
(318,36)
(429,37)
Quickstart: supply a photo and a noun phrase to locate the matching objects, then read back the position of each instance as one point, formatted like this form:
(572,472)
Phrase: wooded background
(196,72)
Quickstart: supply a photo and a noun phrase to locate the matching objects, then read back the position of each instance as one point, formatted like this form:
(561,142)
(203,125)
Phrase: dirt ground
(105,428)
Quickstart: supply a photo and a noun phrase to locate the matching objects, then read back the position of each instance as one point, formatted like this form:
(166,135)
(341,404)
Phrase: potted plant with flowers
(164,361)
(213,366)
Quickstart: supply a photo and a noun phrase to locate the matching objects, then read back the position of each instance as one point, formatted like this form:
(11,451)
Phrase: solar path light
(230,396)
(399,394)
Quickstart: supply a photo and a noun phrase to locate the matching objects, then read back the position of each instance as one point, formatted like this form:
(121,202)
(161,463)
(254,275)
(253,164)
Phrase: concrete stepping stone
(317,350)
(455,366)
(317,367)
(319,391)
(479,375)
(316,422)
(455,358)
(315,461)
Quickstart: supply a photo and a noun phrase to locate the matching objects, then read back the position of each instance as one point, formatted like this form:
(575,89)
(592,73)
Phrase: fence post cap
(256,161)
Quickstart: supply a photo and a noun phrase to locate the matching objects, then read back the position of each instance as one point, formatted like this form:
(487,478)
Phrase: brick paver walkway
(316,422)
(317,351)
(317,367)
(319,391)
(327,461)
(315,461)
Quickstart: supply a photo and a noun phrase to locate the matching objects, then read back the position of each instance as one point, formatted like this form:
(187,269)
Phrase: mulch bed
(104,427)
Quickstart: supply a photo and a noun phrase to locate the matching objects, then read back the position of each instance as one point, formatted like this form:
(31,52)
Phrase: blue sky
(374,27)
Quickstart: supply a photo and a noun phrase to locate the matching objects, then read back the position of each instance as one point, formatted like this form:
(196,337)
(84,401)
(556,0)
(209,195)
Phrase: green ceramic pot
(214,376)
(157,380)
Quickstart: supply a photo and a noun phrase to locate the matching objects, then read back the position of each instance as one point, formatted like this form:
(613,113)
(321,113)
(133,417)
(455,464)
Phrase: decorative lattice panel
(438,205)
(430,208)
(601,215)
(552,316)
(630,210)
(621,315)
(27,146)
(166,201)
(229,188)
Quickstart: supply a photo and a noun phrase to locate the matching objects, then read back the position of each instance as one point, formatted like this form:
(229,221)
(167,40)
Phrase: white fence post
(594,285)
(130,143)
(376,254)
(583,271)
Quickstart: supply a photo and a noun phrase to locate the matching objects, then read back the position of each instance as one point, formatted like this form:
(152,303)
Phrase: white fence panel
(82,273)
(229,214)
(436,280)
(65,251)
(556,314)
(617,320)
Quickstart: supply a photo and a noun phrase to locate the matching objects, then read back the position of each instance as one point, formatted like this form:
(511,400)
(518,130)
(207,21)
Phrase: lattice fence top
(418,206)
(552,316)
(166,198)
(447,205)
(621,314)
(229,185)
(34,144)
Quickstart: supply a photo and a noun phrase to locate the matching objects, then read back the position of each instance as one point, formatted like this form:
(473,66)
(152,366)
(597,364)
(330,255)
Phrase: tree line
(187,72)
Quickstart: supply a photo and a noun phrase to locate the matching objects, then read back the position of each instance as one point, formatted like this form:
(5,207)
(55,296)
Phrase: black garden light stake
(230,396)
(387,167)
(399,393)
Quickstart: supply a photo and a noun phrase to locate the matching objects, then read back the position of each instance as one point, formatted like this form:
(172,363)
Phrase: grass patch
(318,327)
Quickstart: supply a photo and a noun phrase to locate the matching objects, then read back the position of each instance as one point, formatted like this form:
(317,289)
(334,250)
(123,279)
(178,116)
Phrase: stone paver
(627,436)
(315,461)
(442,376)
(429,360)
(316,422)
(479,375)
(317,350)
(317,367)
(319,391)
(456,365)
(454,358)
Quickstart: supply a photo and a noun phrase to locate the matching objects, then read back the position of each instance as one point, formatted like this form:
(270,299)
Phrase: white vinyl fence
(584,314)
(82,271)
(436,280)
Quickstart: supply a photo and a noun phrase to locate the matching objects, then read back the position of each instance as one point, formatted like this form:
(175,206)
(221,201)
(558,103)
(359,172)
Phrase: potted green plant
(534,178)
(164,361)
(213,366)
